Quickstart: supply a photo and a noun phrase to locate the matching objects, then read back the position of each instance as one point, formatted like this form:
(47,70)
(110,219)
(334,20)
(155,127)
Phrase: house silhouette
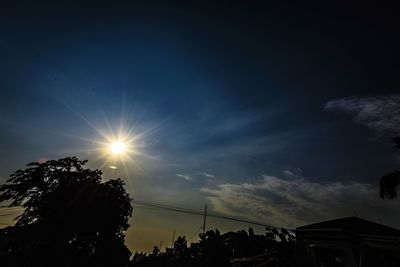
(347,242)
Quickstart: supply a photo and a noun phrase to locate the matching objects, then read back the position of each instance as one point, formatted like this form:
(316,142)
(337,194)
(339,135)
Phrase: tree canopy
(71,216)
(242,248)
(390,182)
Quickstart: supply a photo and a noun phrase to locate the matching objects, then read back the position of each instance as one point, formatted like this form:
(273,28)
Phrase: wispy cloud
(381,114)
(293,173)
(186,177)
(209,175)
(294,202)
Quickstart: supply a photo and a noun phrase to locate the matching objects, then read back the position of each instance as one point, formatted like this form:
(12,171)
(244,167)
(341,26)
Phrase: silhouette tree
(156,251)
(213,249)
(241,248)
(180,246)
(70,218)
(389,183)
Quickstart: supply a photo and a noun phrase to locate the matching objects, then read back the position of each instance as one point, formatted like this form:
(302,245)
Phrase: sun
(118,147)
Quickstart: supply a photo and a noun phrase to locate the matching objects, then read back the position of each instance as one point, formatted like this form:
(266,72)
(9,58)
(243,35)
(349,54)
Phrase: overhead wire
(190,211)
(154,206)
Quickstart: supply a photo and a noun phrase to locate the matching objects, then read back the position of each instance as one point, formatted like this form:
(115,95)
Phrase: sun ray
(119,148)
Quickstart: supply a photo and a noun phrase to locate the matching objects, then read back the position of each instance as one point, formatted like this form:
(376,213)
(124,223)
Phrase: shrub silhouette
(70,217)
(241,248)
(389,183)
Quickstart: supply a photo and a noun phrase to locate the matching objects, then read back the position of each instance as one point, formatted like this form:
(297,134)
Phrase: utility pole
(205,217)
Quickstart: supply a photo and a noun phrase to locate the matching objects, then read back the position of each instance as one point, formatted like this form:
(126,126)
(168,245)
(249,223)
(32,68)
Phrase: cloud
(209,175)
(298,201)
(381,114)
(293,173)
(186,177)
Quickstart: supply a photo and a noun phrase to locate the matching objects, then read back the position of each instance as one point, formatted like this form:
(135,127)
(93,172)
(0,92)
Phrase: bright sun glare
(118,147)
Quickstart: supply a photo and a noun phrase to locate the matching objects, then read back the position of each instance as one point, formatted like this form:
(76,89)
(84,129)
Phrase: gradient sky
(278,113)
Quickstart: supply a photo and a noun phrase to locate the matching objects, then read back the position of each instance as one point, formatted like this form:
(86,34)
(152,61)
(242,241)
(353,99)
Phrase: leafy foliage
(216,249)
(69,212)
(389,183)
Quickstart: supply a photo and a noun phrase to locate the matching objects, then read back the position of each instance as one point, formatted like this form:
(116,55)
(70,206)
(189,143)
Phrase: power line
(187,211)
(163,206)
(240,220)
(170,208)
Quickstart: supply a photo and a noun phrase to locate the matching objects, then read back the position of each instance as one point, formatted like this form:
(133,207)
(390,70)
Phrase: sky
(279,113)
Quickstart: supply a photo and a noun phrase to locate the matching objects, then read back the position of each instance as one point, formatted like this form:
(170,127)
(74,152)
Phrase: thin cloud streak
(186,177)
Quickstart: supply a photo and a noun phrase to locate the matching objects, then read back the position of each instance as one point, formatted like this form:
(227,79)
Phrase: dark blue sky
(238,103)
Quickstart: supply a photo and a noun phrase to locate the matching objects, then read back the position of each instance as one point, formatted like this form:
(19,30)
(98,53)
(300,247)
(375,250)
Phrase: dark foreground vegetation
(275,248)
(70,218)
